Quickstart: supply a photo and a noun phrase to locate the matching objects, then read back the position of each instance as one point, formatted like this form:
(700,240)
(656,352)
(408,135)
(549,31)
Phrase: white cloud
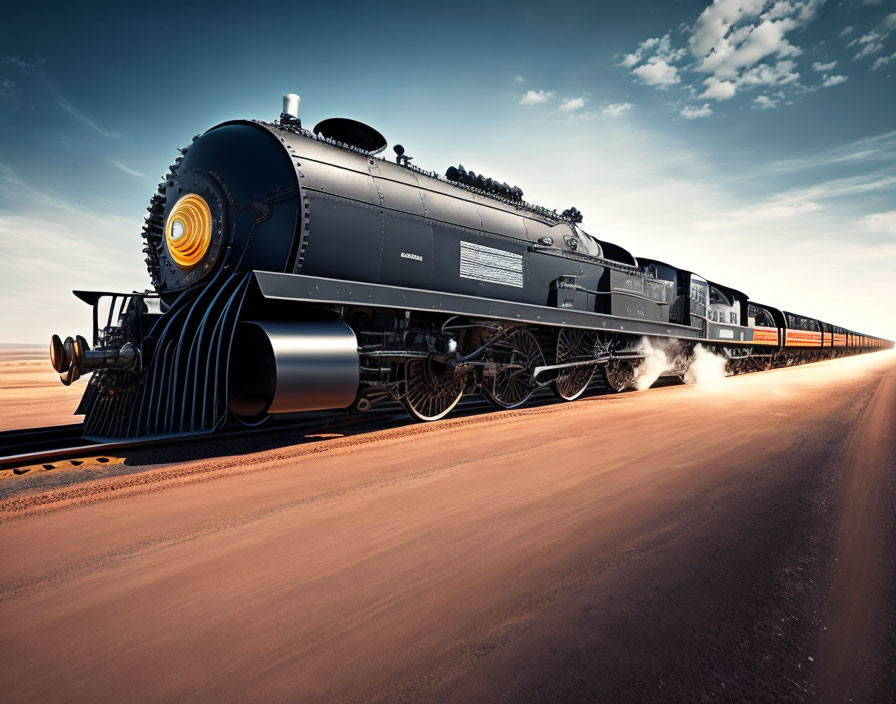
(657,73)
(660,47)
(692,112)
(764,102)
(630,60)
(536,97)
(519,79)
(7,88)
(871,44)
(718,90)
(716,20)
(736,44)
(824,67)
(847,31)
(833,81)
(883,223)
(782,73)
(743,49)
(873,41)
(572,104)
(882,61)
(616,109)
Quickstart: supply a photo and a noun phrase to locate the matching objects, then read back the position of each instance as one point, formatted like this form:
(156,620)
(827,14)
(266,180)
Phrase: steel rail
(37,445)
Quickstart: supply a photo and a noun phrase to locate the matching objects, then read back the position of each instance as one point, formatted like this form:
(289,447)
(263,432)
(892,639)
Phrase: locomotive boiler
(296,270)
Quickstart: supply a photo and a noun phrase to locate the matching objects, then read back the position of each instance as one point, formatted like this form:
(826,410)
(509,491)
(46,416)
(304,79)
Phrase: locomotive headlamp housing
(188,231)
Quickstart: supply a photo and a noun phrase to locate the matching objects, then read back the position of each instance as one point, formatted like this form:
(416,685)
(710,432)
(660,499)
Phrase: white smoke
(660,356)
(705,368)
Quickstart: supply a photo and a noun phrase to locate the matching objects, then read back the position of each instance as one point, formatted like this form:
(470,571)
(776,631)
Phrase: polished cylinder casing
(286,367)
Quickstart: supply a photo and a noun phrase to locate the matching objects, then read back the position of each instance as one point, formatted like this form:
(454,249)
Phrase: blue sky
(753,141)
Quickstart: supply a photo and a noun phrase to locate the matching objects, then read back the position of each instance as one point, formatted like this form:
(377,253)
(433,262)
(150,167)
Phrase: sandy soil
(733,543)
(30,392)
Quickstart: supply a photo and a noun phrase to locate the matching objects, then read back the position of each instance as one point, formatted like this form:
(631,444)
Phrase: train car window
(803,325)
(698,291)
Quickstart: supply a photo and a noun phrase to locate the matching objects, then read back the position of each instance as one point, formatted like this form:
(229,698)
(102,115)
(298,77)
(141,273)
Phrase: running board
(315,289)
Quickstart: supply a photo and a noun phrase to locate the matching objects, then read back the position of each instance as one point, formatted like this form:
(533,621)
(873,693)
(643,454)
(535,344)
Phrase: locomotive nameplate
(494,266)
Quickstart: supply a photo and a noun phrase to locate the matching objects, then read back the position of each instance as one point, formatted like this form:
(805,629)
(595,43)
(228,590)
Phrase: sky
(751,141)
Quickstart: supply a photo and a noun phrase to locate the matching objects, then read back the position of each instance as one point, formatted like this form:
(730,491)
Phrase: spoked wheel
(433,390)
(516,355)
(574,346)
(619,374)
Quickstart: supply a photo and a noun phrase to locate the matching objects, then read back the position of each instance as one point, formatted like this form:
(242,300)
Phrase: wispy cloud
(824,67)
(869,44)
(21,63)
(16,190)
(834,81)
(839,188)
(52,245)
(126,169)
(882,61)
(519,79)
(867,151)
(536,97)
(873,41)
(84,120)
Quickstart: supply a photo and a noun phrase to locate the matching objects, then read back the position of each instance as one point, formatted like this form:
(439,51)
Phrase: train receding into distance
(295,270)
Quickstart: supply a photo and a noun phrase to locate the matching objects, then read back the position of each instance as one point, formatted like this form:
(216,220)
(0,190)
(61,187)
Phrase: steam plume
(667,357)
(706,367)
(661,356)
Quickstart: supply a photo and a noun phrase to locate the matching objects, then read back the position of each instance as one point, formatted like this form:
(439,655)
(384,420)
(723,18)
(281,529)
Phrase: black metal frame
(313,289)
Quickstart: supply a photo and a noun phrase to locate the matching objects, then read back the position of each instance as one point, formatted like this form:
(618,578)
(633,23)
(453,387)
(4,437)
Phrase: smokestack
(290,112)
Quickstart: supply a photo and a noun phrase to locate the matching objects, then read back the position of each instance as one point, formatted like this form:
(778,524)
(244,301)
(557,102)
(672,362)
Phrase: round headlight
(188,232)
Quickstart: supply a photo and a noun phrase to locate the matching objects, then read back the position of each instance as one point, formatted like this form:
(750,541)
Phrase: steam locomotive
(296,270)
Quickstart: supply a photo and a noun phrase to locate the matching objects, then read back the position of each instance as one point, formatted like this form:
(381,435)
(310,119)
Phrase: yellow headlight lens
(188,232)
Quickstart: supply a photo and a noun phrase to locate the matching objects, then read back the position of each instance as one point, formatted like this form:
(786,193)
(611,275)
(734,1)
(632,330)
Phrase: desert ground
(729,543)
(31,394)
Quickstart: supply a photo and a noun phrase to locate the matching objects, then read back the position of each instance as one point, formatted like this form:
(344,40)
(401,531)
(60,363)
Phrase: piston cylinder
(286,367)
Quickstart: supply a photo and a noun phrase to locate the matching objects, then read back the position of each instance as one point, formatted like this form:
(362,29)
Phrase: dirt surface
(31,394)
(732,543)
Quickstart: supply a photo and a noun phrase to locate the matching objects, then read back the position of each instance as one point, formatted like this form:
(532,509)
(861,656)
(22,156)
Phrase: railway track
(36,445)
(22,451)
